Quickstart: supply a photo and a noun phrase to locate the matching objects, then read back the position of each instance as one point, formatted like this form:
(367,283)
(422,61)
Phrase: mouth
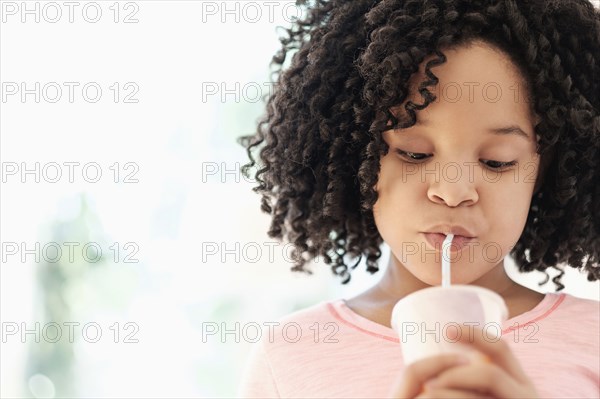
(435,241)
(451,229)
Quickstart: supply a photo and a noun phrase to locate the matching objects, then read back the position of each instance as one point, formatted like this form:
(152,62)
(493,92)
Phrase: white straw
(446,260)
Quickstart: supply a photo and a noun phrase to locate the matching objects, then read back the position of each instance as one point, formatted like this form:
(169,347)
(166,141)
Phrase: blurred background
(131,242)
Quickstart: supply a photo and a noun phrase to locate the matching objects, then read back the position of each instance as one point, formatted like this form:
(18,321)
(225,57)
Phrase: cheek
(387,184)
(506,206)
(398,196)
(394,186)
(399,179)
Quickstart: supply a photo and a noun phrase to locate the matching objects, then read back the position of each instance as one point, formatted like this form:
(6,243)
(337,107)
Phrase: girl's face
(470,163)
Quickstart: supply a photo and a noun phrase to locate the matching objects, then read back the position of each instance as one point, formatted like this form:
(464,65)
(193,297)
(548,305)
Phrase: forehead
(477,86)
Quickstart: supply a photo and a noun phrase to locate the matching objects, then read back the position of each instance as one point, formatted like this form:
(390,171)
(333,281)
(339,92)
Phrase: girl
(406,120)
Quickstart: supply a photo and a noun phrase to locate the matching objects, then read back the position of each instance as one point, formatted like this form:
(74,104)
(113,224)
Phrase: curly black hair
(321,139)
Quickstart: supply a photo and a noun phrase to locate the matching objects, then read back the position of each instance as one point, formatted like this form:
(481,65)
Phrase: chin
(432,280)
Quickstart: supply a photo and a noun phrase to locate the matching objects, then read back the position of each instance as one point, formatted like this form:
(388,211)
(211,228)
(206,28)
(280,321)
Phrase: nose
(453,187)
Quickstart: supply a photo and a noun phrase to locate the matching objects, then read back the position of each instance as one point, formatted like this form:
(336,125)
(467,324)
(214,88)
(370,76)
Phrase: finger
(477,377)
(447,393)
(496,349)
(415,374)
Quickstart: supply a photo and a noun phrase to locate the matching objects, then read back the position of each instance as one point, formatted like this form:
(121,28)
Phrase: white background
(180,142)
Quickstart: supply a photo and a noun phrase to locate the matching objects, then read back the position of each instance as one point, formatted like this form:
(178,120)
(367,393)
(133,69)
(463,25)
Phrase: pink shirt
(329,351)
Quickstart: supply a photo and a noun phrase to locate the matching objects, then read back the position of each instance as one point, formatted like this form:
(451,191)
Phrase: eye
(498,165)
(412,156)
(490,164)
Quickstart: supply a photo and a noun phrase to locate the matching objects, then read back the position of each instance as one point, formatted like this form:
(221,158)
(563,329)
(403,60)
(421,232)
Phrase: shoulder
(578,305)
(295,344)
(577,313)
(283,353)
(302,325)
(319,311)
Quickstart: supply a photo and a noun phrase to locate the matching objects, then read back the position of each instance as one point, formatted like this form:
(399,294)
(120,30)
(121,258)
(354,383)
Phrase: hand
(499,376)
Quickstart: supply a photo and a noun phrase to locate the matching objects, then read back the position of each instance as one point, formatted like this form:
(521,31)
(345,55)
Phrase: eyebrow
(512,129)
(502,130)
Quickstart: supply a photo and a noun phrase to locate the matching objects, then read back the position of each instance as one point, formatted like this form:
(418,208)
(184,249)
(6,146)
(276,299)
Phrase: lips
(435,241)
(451,228)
